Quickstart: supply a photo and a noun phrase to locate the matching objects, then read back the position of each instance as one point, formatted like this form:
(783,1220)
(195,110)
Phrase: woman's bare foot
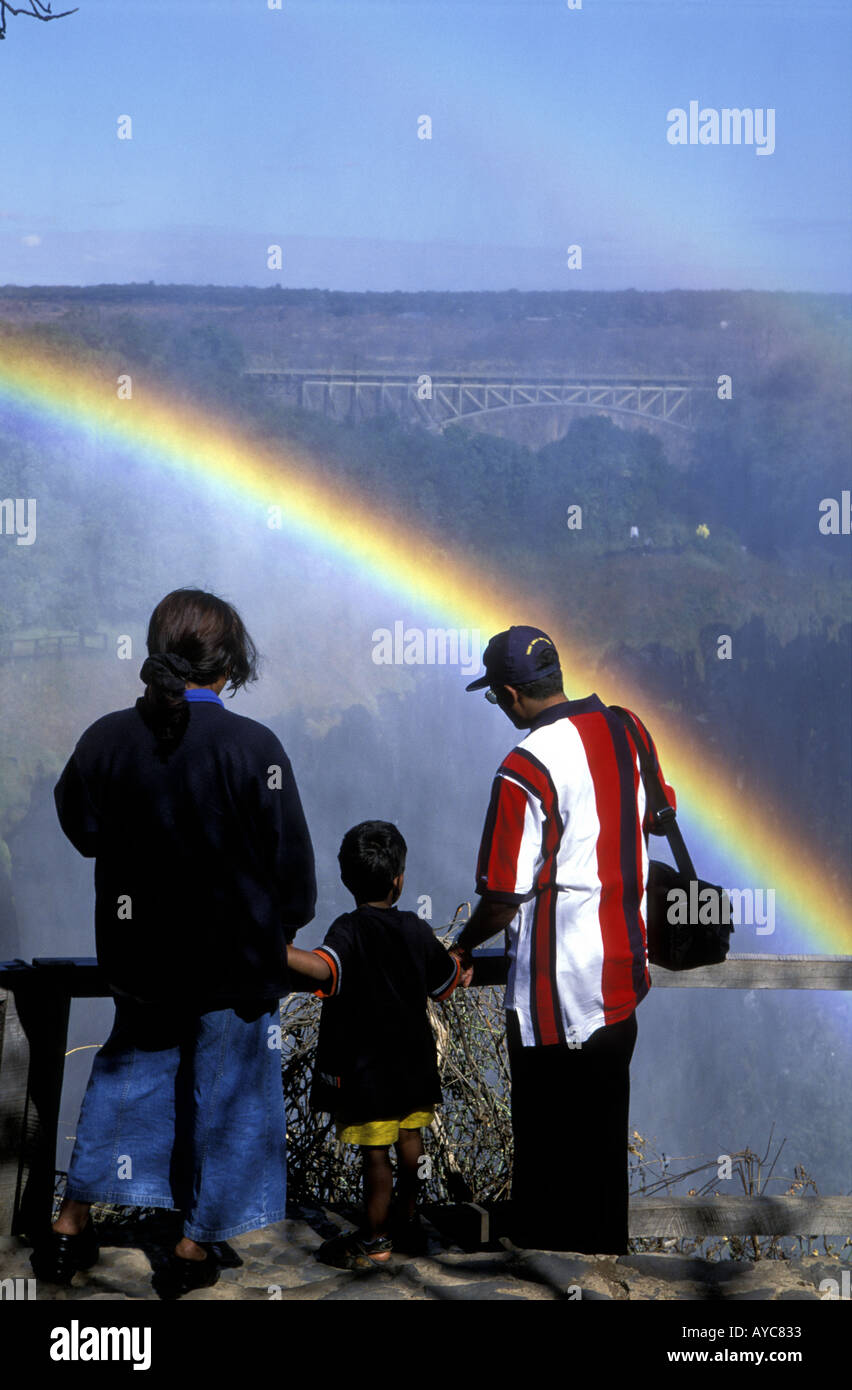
(72,1217)
(188,1249)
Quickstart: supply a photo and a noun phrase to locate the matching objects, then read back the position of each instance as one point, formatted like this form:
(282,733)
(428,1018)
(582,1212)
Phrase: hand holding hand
(466,962)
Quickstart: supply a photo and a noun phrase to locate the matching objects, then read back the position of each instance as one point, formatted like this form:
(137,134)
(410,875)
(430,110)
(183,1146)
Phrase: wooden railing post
(14,1063)
(36,1007)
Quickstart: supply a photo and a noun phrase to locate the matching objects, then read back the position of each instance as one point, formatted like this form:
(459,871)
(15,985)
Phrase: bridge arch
(455,397)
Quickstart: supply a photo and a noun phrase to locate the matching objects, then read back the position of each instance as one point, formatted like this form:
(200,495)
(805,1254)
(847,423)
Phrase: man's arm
(488,918)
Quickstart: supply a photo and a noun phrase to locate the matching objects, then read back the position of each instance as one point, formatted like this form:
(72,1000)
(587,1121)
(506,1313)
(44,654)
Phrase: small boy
(375,1069)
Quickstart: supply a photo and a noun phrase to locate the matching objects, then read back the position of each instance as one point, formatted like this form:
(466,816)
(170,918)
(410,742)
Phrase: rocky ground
(279,1262)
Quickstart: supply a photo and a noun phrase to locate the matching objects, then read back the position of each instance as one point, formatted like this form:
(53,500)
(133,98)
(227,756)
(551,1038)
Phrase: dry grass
(652,1172)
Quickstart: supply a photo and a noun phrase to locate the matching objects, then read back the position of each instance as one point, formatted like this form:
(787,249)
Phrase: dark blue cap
(512,657)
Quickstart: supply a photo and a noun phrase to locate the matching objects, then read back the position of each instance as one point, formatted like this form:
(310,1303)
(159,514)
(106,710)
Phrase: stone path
(279,1262)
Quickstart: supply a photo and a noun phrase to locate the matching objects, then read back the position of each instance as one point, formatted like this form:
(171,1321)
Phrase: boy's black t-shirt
(376,1053)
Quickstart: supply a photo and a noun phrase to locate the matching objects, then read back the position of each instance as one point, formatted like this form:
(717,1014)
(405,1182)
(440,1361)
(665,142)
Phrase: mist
(714,1070)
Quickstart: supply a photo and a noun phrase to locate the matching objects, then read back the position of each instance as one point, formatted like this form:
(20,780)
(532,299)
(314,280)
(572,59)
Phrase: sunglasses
(491,697)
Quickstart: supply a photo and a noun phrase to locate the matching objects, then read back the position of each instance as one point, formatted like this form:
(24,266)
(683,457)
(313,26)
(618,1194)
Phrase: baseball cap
(512,657)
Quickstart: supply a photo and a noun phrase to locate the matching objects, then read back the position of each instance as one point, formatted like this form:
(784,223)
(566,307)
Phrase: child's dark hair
(371,856)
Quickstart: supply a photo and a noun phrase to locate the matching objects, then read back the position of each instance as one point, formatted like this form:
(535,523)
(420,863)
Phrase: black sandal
(56,1257)
(178,1276)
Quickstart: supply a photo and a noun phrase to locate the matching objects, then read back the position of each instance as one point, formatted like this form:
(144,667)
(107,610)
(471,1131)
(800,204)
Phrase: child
(375,1069)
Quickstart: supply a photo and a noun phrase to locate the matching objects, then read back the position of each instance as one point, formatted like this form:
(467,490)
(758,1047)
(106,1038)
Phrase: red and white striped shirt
(564,840)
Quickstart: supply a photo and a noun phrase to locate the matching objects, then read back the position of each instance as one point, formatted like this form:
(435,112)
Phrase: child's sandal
(354,1251)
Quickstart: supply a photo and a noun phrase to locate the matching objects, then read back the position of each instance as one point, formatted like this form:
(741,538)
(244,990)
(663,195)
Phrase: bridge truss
(440,399)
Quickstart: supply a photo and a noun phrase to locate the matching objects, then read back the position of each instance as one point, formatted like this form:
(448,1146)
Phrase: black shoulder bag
(689,920)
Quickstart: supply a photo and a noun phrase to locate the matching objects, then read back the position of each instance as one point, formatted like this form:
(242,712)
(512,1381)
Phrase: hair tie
(167,672)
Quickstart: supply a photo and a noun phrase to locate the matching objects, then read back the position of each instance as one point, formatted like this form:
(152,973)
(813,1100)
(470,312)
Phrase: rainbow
(766,848)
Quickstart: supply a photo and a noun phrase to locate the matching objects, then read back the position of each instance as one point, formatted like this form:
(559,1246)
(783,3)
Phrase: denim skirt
(185,1110)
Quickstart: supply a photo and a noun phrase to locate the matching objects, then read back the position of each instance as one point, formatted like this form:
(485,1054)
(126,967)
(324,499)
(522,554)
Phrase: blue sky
(299,127)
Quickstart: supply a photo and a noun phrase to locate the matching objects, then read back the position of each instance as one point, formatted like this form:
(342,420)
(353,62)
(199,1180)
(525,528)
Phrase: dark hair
(371,856)
(540,690)
(192,636)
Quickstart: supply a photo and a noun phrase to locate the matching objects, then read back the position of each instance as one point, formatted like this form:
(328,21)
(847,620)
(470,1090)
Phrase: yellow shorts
(377,1133)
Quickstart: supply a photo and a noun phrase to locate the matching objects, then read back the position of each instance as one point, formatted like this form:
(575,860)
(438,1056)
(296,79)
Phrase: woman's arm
(77,815)
(282,837)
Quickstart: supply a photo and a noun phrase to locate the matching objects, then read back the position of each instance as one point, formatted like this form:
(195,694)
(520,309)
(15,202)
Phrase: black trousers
(569,1118)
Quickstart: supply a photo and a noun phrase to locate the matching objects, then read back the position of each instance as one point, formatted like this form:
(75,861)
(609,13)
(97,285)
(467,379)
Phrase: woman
(204,871)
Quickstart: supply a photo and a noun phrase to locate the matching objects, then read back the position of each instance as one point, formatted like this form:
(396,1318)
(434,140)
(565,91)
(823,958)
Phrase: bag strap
(663,815)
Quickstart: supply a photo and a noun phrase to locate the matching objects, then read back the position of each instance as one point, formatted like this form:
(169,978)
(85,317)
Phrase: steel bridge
(439,399)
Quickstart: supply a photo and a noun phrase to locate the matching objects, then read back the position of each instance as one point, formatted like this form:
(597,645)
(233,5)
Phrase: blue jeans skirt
(185,1111)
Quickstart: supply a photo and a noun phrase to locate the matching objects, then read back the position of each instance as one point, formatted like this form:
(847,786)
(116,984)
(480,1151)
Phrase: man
(563,869)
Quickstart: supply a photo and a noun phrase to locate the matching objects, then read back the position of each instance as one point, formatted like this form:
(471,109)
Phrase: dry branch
(37,9)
